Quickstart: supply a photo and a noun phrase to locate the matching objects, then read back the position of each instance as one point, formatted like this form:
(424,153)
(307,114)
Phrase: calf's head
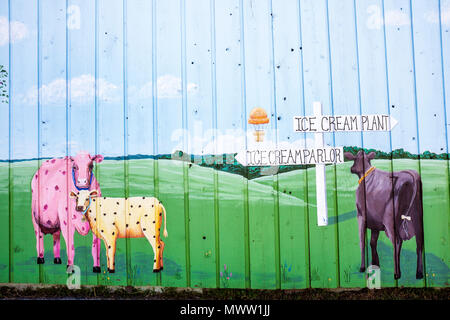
(82,169)
(361,162)
(83,199)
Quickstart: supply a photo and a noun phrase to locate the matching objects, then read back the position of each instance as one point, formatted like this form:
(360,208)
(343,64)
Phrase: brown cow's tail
(413,198)
(165,221)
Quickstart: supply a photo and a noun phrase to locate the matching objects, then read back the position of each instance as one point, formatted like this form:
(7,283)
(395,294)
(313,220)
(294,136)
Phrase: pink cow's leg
(39,242)
(96,253)
(96,243)
(40,246)
(56,247)
(67,232)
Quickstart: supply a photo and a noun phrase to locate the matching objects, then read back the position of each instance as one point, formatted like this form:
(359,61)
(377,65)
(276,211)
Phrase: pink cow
(52,209)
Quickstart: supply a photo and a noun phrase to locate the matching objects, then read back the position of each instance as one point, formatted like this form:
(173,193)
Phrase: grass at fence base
(298,260)
(103,292)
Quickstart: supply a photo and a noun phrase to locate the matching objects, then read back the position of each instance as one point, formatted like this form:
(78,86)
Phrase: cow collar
(366,174)
(87,208)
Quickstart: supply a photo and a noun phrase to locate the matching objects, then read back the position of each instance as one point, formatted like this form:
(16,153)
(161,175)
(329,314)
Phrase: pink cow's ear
(98,158)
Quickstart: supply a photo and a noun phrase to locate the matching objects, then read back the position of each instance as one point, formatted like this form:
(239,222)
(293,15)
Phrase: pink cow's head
(82,169)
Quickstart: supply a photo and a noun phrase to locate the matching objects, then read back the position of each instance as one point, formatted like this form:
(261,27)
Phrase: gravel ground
(45,292)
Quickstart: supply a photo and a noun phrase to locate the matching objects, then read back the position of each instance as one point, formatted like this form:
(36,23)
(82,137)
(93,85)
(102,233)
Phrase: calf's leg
(151,237)
(162,244)
(110,244)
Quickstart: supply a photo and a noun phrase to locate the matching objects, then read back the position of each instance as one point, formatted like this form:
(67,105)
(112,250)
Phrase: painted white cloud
(168,86)
(201,142)
(433,16)
(19,31)
(82,90)
(395,18)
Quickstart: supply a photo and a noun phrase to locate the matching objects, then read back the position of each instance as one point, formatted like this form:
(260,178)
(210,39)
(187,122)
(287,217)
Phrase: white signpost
(318,124)
(321,178)
(319,155)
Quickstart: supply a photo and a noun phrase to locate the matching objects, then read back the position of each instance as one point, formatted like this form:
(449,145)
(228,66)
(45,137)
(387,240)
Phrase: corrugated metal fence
(124,78)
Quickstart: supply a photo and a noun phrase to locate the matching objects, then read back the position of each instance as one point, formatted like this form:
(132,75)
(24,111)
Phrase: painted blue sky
(148,77)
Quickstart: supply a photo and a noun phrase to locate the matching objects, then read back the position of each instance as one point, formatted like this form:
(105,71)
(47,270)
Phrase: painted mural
(390,202)
(267,136)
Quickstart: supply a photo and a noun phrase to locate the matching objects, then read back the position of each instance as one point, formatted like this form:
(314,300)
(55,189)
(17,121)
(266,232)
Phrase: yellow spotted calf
(135,217)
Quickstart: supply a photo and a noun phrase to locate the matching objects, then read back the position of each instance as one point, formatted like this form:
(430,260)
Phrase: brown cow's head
(82,166)
(361,162)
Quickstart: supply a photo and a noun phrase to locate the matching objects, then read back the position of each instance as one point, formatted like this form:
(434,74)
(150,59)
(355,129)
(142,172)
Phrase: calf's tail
(165,221)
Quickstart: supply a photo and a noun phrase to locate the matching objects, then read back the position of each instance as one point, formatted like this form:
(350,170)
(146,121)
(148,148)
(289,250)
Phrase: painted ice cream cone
(258,118)
(259,135)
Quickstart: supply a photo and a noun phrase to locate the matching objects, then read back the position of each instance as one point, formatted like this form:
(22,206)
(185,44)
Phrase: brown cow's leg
(373,247)
(390,234)
(397,250)
(419,250)
(362,243)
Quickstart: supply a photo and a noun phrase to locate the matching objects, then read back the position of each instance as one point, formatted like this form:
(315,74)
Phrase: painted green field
(211,245)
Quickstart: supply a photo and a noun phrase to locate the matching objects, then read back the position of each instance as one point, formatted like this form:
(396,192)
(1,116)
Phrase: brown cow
(390,202)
